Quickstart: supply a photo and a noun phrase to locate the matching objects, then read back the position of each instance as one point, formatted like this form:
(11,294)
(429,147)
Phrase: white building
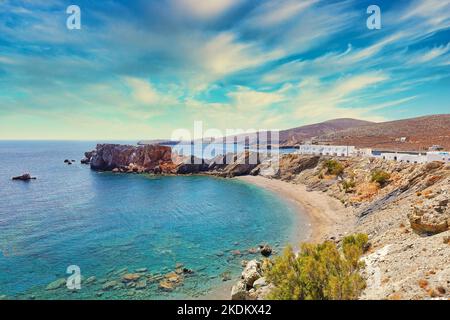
(323,150)
(404,157)
(416,158)
(351,151)
(438,156)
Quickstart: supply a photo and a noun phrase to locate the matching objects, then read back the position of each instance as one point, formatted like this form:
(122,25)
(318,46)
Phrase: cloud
(157,64)
(317,101)
(246,99)
(202,9)
(142,91)
(429,54)
(223,55)
(275,12)
(436,13)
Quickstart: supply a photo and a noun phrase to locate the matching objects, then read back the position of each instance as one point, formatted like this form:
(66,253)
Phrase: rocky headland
(157,159)
(402,207)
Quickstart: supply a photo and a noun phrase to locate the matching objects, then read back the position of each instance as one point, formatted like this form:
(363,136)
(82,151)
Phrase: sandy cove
(327,216)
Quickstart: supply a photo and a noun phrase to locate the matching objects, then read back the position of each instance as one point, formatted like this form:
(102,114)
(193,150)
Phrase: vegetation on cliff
(319,271)
(333,167)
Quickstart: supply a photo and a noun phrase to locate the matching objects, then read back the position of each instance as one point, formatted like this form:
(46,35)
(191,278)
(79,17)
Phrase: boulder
(239,291)
(259,283)
(432,216)
(251,273)
(266,250)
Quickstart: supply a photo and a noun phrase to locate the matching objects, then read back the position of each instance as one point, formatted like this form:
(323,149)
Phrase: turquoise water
(105,222)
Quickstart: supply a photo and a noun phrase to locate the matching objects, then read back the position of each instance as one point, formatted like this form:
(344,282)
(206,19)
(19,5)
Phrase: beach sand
(327,216)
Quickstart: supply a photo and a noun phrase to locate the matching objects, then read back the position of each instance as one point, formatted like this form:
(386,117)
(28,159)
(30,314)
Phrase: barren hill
(420,134)
(303,133)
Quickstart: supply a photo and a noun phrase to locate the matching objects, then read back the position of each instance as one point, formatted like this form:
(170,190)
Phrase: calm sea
(106,223)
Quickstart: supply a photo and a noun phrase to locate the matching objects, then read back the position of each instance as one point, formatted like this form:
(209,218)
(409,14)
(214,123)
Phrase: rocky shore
(406,216)
(402,207)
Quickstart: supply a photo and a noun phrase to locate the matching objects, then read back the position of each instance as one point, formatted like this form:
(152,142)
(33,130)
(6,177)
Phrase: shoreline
(326,216)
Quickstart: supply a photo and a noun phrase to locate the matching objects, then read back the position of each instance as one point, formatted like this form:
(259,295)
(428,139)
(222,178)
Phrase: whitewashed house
(416,158)
(438,156)
(324,150)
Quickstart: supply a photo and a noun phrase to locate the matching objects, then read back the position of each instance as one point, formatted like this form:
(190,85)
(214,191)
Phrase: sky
(142,69)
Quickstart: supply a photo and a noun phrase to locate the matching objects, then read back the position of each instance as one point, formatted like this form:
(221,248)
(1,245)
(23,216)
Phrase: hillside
(420,133)
(304,133)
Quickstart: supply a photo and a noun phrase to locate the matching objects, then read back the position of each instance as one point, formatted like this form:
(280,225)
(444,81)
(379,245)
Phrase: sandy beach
(327,216)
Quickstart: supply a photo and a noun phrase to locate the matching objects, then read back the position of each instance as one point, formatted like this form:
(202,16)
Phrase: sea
(105,225)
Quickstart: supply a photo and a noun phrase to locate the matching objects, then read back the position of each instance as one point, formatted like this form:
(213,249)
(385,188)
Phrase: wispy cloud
(157,64)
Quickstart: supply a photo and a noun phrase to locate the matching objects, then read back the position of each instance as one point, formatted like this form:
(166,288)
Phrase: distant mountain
(305,133)
(416,134)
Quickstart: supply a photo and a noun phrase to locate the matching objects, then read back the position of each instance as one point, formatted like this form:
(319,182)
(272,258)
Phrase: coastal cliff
(108,157)
(157,159)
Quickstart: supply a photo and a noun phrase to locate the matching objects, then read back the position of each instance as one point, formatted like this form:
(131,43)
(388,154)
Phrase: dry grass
(423,283)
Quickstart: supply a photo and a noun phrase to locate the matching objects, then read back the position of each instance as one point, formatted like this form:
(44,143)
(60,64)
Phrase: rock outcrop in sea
(24,177)
(159,159)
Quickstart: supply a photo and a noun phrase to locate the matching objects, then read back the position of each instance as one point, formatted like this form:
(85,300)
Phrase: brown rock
(431,216)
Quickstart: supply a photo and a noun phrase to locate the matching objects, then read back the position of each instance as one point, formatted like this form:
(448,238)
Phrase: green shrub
(319,271)
(333,167)
(381,177)
(348,185)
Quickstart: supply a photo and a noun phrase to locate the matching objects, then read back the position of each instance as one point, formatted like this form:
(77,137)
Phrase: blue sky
(141,69)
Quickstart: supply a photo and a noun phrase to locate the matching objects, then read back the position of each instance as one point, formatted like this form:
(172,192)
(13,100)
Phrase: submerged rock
(166,285)
(110,285)
(56,284)
(226,276)
(130,277)
(90,280)
(141,284)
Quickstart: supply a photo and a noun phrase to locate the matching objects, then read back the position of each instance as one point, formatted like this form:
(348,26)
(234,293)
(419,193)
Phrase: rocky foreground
(403,208)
